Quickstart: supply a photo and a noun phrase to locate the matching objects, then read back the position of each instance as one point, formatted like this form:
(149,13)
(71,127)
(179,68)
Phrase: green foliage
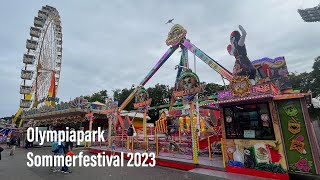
(98,96)
(212,88)
(307,81)
(272,167)
(121,95)
(300,81)
(315,75)
(160,94)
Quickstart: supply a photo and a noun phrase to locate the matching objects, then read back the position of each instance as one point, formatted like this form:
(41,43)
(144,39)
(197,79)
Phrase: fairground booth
(266,127)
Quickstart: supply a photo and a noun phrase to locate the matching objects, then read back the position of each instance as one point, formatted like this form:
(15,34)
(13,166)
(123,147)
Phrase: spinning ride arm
(205,58)
(163,59)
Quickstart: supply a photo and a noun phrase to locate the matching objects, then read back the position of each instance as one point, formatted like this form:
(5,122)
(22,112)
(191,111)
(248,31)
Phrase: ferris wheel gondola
(42,62)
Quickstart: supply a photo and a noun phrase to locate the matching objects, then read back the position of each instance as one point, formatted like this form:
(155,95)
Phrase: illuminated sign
(176,34)
(256,90)
(142,104)
(191,91)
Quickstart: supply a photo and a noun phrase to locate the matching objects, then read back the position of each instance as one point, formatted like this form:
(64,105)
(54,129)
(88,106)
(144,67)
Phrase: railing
(162,145)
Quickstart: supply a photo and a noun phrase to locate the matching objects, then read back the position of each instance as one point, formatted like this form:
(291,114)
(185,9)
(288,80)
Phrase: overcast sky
(114,44)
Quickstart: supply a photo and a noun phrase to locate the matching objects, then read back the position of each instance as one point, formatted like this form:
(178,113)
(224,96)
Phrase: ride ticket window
(250,121)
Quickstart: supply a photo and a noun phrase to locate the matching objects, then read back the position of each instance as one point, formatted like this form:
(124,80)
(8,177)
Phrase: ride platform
(178,161)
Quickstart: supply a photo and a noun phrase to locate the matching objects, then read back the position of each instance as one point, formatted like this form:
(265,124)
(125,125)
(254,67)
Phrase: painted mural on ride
(294,131)
(252,135)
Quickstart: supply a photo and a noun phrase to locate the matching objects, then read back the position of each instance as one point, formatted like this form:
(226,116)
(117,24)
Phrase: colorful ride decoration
(161,124)
(175,35)
(274,70)
(54,115)
(184,124)
(255,92)
(237,48)
(299,154)
(240,86)
(178,39)
(188,85)
(265,131)
(142,99)
(77,103)
(142,104)
(114,119)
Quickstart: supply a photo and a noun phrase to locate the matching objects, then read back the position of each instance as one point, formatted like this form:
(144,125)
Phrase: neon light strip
(163,59)
(289,96)
(205,58)
(245,98)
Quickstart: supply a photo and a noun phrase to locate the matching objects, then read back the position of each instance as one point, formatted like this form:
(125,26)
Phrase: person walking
(18,143)
(55,151)
(8,141)
(113,147)
(26,143)
(66,149)
(13,144)
(1,149)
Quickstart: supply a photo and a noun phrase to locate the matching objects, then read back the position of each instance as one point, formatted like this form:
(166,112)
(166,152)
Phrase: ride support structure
(178,40)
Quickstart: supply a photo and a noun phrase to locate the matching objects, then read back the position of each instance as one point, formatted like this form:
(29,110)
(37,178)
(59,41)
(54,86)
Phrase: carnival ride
(207,133)
(5,132)
(42,62)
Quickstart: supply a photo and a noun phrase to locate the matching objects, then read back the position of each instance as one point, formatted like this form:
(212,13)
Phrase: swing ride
(248,129)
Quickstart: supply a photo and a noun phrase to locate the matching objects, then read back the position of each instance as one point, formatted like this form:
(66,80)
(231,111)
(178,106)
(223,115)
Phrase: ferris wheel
(42,61)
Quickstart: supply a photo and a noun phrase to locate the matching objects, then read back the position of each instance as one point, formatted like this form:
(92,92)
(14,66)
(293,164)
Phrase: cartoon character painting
(290,109)
(237,48)
(274,70)
(248,158)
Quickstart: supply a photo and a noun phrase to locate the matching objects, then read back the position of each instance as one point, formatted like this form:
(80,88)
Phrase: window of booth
(250,121)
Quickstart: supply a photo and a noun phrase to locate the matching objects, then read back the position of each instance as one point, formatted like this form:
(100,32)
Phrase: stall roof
(133,114)
(98,103)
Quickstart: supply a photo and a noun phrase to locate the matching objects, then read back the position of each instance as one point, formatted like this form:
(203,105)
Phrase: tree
(98,96)
(300,81)
(121,95)
(212,88)
(160,94)
(315,77)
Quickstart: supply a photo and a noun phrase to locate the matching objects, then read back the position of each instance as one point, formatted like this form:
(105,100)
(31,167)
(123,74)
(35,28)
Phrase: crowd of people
(58,148)
(12,141)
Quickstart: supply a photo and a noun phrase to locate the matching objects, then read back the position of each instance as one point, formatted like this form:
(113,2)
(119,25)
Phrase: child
(55,150)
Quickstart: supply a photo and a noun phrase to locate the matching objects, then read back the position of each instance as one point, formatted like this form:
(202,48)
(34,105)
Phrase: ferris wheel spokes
(42,62)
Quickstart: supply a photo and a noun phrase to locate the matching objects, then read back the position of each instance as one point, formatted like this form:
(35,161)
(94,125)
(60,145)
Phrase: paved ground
(15,168)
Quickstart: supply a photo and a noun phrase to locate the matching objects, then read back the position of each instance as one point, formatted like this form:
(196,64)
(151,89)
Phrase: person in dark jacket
(1,149)
(68,145)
